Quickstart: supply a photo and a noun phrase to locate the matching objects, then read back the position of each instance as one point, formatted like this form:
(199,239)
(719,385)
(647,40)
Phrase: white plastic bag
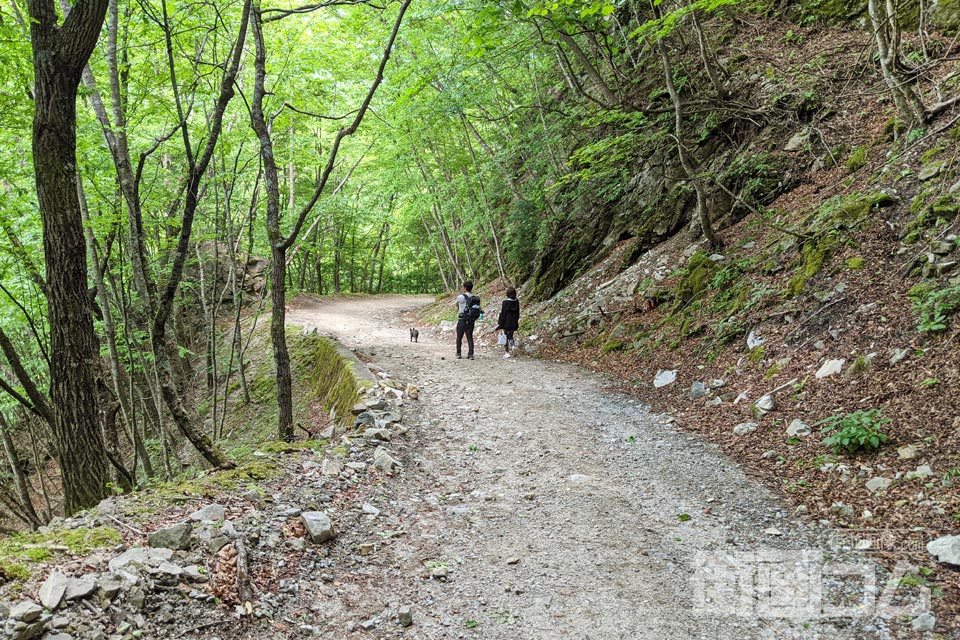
(502,339)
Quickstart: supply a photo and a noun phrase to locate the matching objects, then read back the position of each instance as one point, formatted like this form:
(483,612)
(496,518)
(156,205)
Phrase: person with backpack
(509,320)
(468,312)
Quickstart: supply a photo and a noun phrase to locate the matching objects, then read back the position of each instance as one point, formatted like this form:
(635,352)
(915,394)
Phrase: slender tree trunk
(886,33)
(19,477)
(686,162)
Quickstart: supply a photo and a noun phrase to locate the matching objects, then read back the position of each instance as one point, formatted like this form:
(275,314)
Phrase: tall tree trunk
(59,55)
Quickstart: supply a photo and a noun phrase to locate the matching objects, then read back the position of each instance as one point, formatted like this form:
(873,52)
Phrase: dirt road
(559,510)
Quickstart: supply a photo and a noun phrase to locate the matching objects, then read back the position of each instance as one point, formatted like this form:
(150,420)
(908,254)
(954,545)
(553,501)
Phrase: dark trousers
(509,336)
(465,328)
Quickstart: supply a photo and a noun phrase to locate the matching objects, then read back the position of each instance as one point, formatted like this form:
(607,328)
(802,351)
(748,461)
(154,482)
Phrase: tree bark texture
(59,55)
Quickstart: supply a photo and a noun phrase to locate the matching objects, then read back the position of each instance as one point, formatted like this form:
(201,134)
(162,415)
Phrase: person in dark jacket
(509,319)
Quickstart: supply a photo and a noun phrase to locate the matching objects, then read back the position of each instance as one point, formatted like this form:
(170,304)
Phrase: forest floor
(492,498)
(556,507)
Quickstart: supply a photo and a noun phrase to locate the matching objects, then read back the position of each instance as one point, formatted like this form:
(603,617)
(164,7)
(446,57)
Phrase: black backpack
(472,310)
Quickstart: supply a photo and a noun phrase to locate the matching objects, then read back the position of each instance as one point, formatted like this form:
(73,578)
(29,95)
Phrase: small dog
(414,334)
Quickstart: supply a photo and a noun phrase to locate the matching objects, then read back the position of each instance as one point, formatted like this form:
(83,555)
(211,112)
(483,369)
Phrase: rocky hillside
(819,347)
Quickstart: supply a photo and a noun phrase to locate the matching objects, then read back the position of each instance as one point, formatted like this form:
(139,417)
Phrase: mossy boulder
(697,277)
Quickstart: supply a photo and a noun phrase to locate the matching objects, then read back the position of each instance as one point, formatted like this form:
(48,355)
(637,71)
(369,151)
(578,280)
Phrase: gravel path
(560,510)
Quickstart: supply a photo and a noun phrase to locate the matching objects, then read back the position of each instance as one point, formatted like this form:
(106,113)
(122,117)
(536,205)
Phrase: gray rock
(210,513)
(58,636)
(80,588)
(931,170)
(110,586)
(358,408)
(663,378)
(923,471)
(365,419)
(52,590)
(382,461)
(940,247)
(716,383)
(366,625)
(319,526)
(25,611)
(764,405)
(907,452)
(331,467)
(405,615)
(27,630)
(898,355)
(798,428)
(383,435)
(878,484)
(841,509)
(175,537)
(697,390)
(924,622)
(744,428)
(798,141)
(829,368)
(139,557)
(369,509)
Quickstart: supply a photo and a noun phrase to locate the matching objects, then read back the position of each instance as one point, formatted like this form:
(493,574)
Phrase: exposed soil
(560,509)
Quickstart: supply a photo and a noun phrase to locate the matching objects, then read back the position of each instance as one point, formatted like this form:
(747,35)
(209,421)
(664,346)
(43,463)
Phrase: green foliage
(854,431)
(858,158)
(934,305)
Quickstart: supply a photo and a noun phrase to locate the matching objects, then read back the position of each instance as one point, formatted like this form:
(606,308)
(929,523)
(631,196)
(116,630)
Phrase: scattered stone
(744,428)
(664,377)
(924,622)
(359,408)
(175,537)
(366,548)
(382,461)
(366,625)
(773,531)
(930,170)
(25,611)
(383,435)
(331,467)
(878,484)
(193,573)
(137,557)
(769,453)
(716,383)
(80,588)
(829,368)
(405,615)
(697,390)
(941,248)
(798,428)
(412,392)
(319,526)
(210,513)
(908,452)
(53,590)
(328,433)
(898,355)
(841,509)
(819,345)
(369,509)
(923,471)
(764,405)
(801,509)
(799,140)
(754,340)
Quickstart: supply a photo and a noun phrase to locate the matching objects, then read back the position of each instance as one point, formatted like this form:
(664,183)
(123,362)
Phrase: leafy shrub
(854,431)
(934,306)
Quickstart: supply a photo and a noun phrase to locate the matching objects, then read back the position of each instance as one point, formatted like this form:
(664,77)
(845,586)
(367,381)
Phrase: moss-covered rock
(19,552)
